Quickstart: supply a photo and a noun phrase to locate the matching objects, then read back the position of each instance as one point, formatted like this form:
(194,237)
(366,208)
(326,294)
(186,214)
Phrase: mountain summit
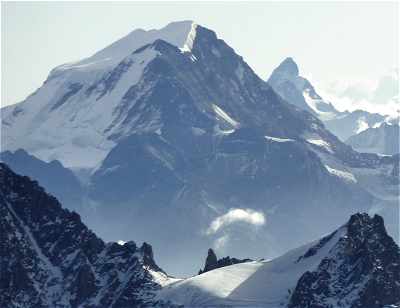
(287,82)
(288,69)
(297,90)
(174,138)
(180,34)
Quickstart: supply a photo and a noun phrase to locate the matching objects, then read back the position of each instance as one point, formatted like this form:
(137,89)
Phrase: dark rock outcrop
(53,176)
(212,262)
(49,258)
(361,270)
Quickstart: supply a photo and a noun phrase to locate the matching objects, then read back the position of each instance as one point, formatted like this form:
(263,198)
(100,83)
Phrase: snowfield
(252,284)
(83,92)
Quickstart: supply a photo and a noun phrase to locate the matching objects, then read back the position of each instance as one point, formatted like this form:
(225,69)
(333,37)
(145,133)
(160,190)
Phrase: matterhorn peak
(288,68)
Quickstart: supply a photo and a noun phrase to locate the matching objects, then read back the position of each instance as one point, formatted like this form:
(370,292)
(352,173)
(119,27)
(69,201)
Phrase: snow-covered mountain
(383,139)
(77,113)
(288,83)
(49,258)
(358,265)
(182,138)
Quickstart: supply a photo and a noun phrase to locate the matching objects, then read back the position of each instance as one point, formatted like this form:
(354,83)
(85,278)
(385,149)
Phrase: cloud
(248,216)
(220,242)
(375,96)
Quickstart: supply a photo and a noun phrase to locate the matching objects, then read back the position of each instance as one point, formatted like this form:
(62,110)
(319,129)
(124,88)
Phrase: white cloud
(375,96)
(249,216)
(220,242)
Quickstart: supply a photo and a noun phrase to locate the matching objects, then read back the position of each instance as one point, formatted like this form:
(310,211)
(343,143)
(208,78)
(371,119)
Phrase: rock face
(383,139)
(53,176)
(177,130)
(358,265)
(362,270)
(49,258)
(212,262)
(297,90)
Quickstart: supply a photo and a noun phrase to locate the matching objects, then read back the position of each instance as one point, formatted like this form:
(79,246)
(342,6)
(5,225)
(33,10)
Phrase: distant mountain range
(383,139)
(176,141)
(297,90)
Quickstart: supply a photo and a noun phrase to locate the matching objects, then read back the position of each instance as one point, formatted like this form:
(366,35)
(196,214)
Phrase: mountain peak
(180,34)
(288,67)
(361,226)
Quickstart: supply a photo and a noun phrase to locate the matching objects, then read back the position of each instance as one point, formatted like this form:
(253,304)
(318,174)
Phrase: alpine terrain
(297,90)
(383,139)
(177,142)
(49,258)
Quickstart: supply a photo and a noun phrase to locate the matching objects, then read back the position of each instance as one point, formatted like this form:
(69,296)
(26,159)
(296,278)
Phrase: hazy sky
(330,41)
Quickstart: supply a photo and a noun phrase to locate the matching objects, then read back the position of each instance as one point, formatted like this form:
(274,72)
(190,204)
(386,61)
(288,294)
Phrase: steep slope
(67,118)
(178,136)
(57,180)
(383,139)
(84,109)
(358,265)
(49,258)
(297,90)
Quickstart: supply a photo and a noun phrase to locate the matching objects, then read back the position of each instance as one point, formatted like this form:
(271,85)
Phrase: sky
(332,42)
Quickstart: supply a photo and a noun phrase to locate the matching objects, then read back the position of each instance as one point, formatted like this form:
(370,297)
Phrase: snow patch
(321,143)
(161,278)
(275,139)
(191,36)
(347,176)
(197,131)
(224,116)
(361,125)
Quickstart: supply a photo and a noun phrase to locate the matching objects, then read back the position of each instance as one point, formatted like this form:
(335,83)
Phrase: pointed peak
(288,66)
(363,219)
(361,224)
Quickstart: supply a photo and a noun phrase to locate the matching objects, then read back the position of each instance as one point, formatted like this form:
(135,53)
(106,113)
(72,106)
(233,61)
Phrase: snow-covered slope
(69,117)
(383,139)
(355,266)
(178,137)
